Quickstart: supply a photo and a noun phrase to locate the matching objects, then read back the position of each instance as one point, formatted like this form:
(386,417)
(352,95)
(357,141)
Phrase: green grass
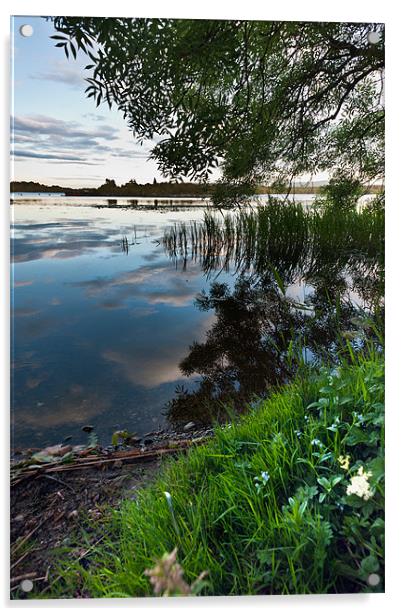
(292,530)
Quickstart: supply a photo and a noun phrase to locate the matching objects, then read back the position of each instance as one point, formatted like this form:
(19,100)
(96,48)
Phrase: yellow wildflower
(344,462)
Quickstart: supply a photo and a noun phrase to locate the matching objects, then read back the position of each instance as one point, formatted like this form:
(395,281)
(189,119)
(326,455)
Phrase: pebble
(189,425)
(87,428)
(133,440)
(56,450)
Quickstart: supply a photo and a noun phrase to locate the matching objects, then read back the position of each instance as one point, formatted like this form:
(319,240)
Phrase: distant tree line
(162,189)
(130,189)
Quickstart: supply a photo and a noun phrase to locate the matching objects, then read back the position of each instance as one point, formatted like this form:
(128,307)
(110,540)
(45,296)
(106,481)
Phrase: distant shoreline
(158,190)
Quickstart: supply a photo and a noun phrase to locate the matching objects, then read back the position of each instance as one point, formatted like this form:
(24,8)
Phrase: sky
(58,136)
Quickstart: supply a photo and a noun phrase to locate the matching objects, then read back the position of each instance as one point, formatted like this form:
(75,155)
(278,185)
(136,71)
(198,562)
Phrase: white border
(316,10)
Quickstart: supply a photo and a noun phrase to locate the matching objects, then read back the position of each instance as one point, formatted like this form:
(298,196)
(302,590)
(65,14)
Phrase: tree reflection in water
(261,324)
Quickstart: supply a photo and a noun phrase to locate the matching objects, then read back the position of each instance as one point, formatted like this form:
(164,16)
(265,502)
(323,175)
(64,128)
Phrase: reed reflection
(306,282)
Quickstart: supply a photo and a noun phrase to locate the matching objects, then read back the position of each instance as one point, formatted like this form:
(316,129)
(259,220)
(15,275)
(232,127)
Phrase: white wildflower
(168,499)
(261,481)
(360,485)
(316,441)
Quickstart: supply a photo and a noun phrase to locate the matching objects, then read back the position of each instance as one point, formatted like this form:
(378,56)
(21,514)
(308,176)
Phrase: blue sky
(58,135)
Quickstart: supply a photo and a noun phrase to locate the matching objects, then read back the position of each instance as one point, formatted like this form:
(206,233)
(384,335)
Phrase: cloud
(66,142)
(46,125)
(26,312)
(22,283)
(63,239)
(122,153)
(51,139)
(28,154)
(140,365)
(72,408)
(97,286)
(156,284)
(151,373)
(62,74)
(65,178)
(94,116)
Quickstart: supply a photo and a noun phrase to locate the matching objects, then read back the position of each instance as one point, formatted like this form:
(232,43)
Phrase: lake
(111,328)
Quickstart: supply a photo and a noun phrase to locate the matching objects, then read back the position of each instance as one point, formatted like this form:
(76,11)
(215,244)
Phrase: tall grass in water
(287,500)
(335,258)
(298,242)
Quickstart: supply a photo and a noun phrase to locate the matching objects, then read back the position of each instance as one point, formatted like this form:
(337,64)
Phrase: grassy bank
(263,507)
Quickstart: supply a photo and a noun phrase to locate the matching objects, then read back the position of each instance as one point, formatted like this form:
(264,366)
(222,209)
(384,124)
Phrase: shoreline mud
(55,503)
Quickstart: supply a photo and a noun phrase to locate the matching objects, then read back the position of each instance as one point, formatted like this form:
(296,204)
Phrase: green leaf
(67,457)
(303,507)
(369,565)
(38,457)
(376,467)
(345,400)
(326,390)
(115,439)
(278,279)
(377,528)
(356,436)
(324,482)
(325,456)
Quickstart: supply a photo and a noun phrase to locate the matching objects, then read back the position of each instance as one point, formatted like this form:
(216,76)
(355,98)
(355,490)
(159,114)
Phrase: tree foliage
(264,100)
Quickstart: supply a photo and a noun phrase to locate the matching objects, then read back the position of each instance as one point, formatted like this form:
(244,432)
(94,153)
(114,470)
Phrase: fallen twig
(35,579)
(25,576)
(136,455)
(25,554)
(28,536)
(63,483)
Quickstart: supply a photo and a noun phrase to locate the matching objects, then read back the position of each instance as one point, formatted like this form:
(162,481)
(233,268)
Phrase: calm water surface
(109,326)
(97,333)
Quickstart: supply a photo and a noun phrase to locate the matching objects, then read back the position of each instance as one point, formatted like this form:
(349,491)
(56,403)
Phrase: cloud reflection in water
(107,330)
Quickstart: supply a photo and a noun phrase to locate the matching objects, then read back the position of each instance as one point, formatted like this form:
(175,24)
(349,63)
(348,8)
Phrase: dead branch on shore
(88,461)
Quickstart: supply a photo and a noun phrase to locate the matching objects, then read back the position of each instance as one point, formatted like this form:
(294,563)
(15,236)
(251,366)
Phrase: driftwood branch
(125,457)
